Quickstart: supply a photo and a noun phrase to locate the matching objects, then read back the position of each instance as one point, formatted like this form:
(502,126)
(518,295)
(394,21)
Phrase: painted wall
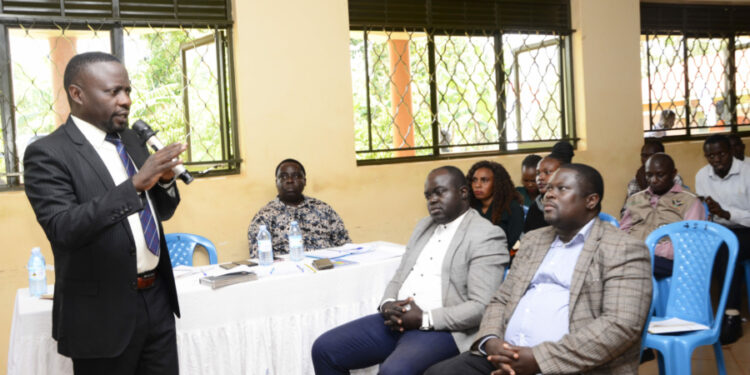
(294,93)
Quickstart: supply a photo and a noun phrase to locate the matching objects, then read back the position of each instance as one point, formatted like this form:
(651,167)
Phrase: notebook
(228,279)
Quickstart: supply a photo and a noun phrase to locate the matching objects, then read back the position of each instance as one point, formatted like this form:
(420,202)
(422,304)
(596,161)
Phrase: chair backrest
(695,245)
(707,211)
(603,216)
(652,310)
(182,245)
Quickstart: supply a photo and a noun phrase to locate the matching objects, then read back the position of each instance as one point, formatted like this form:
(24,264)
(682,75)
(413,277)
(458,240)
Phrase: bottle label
(36,275)
(295,241)
(264,246)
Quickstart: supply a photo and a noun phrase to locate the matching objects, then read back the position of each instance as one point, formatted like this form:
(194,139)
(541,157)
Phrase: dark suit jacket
(84,216)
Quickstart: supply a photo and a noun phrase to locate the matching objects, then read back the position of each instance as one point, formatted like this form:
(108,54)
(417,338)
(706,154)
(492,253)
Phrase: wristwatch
(426,321)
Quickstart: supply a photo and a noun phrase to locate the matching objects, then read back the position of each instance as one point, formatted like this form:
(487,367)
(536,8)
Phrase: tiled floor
(736,358)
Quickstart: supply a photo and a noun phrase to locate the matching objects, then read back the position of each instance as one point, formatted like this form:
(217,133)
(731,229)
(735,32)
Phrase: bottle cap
(262,227)
(36,250)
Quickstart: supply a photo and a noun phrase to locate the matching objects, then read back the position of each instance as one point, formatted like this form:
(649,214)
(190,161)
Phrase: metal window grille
(179,66)
(695,74)
(443,79)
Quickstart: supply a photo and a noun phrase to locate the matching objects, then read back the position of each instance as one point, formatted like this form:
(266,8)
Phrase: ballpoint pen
(301,269)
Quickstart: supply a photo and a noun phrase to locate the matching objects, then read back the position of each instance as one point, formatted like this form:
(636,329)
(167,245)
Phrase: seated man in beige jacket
(576,298)
(432,307)
(663,202)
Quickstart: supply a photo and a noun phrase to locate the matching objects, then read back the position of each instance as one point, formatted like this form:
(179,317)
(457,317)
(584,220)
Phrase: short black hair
(79,62)
(589,179)
(531,161)
(668,113)
(302,167)
(662,158)
(656,143)
(735,137)
(717,138)
(562,151)
(458,178)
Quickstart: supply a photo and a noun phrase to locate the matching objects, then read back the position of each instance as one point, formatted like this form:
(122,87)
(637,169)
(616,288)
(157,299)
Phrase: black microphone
(148,136)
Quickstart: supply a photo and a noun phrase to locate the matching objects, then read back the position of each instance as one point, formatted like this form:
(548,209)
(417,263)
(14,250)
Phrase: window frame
(567,100)
(470,18)
(694,21)
(134,14)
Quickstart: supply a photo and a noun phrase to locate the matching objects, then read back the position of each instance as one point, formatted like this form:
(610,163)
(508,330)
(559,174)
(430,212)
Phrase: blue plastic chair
(525,211)
(182,245)
(654,300)
(603,216)
(747,281)
(695,245)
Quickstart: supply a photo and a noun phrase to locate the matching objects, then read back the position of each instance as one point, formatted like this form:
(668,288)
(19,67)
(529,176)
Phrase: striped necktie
(147,217)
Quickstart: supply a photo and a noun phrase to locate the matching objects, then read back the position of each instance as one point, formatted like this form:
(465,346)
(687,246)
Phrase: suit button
(132,251)
(134,285)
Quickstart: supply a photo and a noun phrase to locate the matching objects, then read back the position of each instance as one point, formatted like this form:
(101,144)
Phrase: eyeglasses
(293,176)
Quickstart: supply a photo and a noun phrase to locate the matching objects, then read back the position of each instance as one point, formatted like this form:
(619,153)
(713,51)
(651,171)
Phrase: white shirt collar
(453,225)
(734,169)
(579,238)
(94,135)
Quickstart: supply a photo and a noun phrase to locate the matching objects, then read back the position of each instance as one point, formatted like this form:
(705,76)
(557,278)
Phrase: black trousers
(153,347)
(662,267)
(734,299)
(464,364)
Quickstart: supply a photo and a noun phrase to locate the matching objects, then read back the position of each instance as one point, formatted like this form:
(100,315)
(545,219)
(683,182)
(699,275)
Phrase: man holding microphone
(100,198)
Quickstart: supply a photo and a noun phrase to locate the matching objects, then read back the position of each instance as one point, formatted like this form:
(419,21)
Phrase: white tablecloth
(261,327)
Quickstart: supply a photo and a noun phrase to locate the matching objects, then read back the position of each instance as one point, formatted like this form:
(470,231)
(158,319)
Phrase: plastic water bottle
(265,250)
(37,273)
(296,246)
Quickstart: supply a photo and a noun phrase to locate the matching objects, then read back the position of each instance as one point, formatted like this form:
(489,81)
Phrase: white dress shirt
(542,313)
(424,283)
(731,192)
(145,259)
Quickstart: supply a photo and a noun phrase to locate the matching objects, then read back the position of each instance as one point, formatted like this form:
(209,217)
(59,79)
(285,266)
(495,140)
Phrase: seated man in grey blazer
(576,298)
(432,307)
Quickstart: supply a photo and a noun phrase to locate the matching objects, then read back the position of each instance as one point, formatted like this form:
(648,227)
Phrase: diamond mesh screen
(428,94)
(176,75)
(694,85)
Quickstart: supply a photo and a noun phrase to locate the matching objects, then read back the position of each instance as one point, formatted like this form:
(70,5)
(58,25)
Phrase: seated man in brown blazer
(575,299)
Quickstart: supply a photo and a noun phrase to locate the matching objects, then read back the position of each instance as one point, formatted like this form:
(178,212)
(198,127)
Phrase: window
(695,78)
(178,57)
(441,79)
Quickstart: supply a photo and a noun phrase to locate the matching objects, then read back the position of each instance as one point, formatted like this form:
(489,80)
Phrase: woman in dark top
(562,153)
(495,197)
(528,189)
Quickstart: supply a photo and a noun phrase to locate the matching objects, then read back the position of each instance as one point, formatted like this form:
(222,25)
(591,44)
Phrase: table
(260,327)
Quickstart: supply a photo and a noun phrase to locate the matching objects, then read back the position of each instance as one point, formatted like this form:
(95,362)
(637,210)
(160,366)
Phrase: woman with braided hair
(494,195)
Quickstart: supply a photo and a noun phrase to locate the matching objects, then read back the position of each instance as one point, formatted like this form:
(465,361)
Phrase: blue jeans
(368,341)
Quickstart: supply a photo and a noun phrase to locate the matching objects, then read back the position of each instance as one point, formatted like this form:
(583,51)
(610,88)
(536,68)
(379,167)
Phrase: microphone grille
(142,129)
